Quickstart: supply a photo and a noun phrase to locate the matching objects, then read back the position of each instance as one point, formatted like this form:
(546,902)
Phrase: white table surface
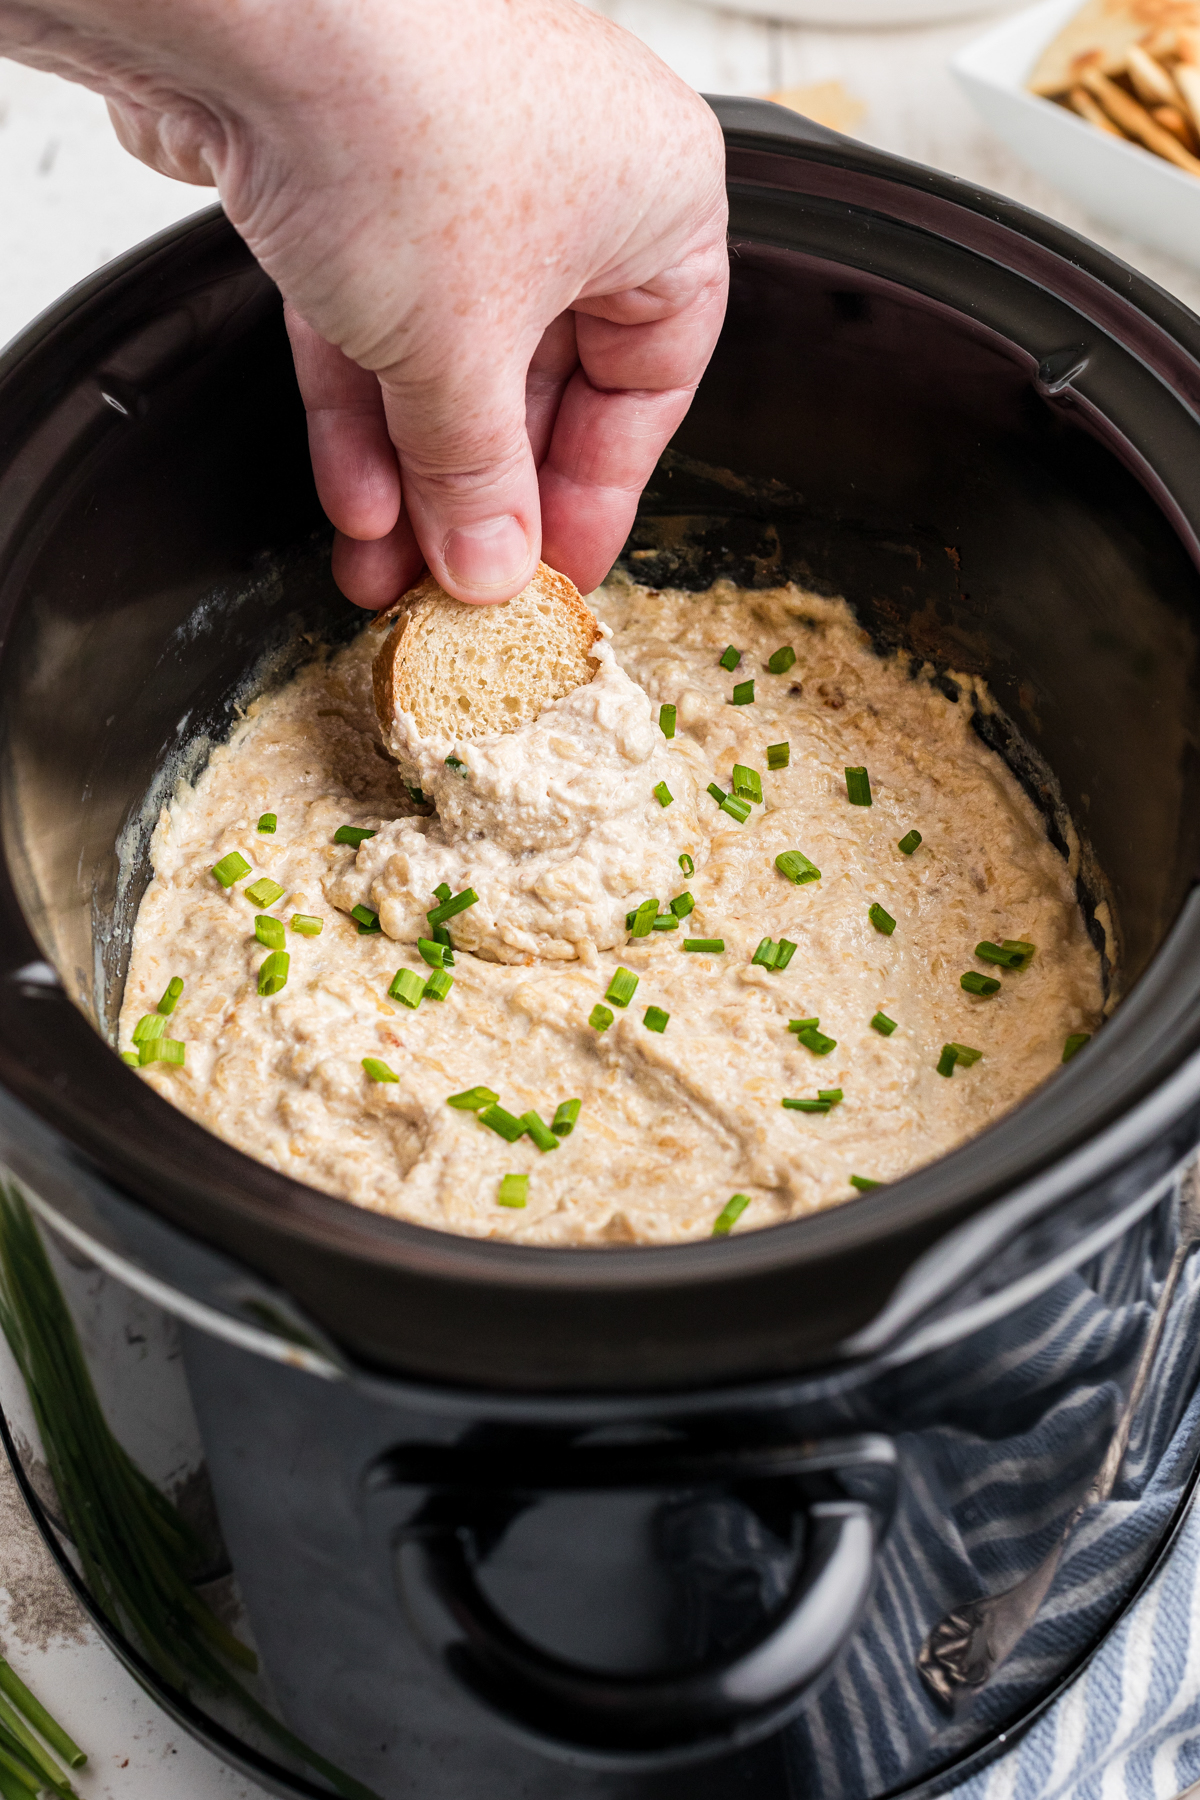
(69,200)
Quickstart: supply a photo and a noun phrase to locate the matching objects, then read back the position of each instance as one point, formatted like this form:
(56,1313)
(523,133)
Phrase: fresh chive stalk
(442,936)
(353,834)
(883,1025)
(910,842)
(169,1002)
(766,956)
(438,984)
(781,660)
(366,919)
(306,925)
(655,1019)
(730,658)
(231,868)
(273,974)
(682,905)
(503,1123)
(132,1058)
(1075,1043)
(816,1041)
(747,783)
(881,919)
(513,1191)
(784,952)
(666,721)
(858,787)
(377,1070)
(268,823)
(743,693)
(863,1183)
(966,1055)
(442,891)
(796,866)
(264,891)
(473,1099)
(729,1214)
(687,865)
(407,987)
(975,983)
(718,793)
(269,931)
(150,1025)
(737,809)
(643,918)
(450,909)
(663,794)
(600,1017)
(622,987)
(954,1054)
(1013,953)
(19,1780)
(806,1106)
(431,952)
(31,1752)
(833,1095)
(778,756)
(563,1123)
(1024,952)
(665,922)
(799,1025)
(539,1131)
(167,1050)
(704,946)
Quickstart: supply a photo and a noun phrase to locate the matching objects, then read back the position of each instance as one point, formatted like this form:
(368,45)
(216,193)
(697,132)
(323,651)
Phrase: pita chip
(1098,39)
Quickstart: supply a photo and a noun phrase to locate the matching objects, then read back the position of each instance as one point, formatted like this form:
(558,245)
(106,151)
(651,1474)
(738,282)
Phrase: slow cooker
(831,1508)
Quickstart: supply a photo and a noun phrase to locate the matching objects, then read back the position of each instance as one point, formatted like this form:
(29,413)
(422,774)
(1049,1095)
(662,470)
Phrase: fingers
(354,465)
(554,362)
(374,573)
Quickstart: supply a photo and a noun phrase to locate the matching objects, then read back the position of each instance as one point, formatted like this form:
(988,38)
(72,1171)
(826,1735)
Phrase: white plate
(858,12)
(1118,182)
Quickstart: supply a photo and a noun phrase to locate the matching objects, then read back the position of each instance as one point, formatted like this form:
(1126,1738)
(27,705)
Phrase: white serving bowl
(1117,182)
(858,12)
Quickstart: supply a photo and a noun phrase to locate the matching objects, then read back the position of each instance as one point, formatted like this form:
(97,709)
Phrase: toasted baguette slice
(466,671)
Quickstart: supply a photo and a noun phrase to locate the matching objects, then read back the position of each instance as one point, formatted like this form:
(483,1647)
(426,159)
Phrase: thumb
(468,476)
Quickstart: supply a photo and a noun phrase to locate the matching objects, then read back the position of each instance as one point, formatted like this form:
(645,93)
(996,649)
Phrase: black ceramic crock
(644,1522)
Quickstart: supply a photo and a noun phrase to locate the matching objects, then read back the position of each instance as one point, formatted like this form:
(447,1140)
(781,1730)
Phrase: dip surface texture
(558,830)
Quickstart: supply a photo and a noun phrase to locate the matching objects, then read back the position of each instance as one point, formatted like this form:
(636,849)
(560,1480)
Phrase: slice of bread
(466,671)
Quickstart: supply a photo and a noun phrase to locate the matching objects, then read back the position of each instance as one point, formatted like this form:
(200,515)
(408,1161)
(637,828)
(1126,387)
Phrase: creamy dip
(558,830)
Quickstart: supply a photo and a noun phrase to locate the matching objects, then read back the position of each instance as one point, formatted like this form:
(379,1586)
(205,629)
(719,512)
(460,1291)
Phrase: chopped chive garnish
(655,1019)
(975,983)
(666,721)
(784,952)
(729,1214)
(131,1057)
(513,1191)
(306,925)
(622,987)
(737,809)
(442,891)
(858,787)
(231,868)
(496,1119)
(269,931)
(863,1183)
(458,765)
(663,794)
(564,1119)
(643,918)
(718,793)
(881,920)
(747,783)
(442,936)
(407,987)
(799,1025)
(766,956)
(269,822)
(687,865)
(966,1055)
(781,661)
(264,891)
(600,1018)
(149,1026)
(450,909)
(539,1131)
(1013,953)
(833,1095)
(810,1106)
(665,922)
(366,920)
(273,973)
(730,658)
(1023,951)
(168,1050)
(796,866)
(704,946)
(432,953)
(743,693)
(438,985)
(415,795)
(170,999)
(682,905)
(473,1099)
(353,834)
(953,1054)
(816,1041)
(778,756)
(1075,1043)
(378,1071)
(909,842)
(883,1025)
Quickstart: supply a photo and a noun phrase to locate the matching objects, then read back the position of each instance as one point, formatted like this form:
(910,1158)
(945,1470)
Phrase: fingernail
(492,554)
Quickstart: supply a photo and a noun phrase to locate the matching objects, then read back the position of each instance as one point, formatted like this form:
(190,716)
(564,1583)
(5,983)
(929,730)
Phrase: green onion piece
(131,1057)
(415,795)
(473,1099)
(306,925)
(407,987)
(168,1050)
(881,920)
(563,1123)
(353,834)
(496,1119)
(883,1025)
(38,1717)
(812,1106)
(909,842)
(863,1183)
(975,983)
(170,999)
(799,1025)
(833,1095)
(378,1071)
(442,891)
(600,1018)
(231,868)
(784,952)
(442,936)
(23,1747)
(438,985)
(743,693)
(966,1055)
(149,1026)
(948,1061)
(513,1191)
(458,765)
(766,956)
(729,1214)
(666,721)
(366,920)
(273,973)
(449,909)
(1075,1043)
(264,891)
(729,658)
(747,783)
(433,954)
(539,1131)
(269,931)
(718,793)
(782,659)
(682,905)
(663,794)
(269,823)
(778,756)
(665,922)
(858,787)
(622,987)
(816,1041)
(1023,951)
(737,809)
(686,863)
(796,866)
(704,946)
(643,918)
(995,953)
(655,1019)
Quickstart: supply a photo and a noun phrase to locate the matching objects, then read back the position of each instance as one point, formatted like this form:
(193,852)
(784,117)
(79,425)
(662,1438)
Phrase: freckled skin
(499,227)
